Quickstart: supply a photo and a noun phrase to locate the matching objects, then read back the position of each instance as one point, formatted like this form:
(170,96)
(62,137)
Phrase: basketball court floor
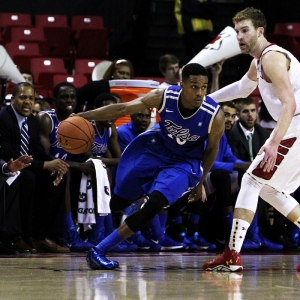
(147,276)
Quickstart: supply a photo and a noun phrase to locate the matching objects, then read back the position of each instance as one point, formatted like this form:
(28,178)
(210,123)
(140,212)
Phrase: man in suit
(246,128)
(11,217)
(48,196)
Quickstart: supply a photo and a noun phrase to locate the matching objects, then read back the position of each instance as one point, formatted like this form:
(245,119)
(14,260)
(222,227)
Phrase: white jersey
(267,90)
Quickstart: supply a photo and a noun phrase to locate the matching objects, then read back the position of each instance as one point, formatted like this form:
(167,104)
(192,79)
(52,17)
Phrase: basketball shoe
(97,261)
(228,261)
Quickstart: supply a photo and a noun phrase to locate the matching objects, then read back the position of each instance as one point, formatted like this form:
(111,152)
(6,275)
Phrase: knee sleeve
(280,201)
(249,192)
(118,204)
(138,220)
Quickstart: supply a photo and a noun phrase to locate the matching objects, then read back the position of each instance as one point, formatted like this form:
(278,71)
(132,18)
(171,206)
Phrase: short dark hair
(165,60)
(228,103)
(17,87)
(254,15)
(59,85)
(193,69)
(243,101)
(98,102)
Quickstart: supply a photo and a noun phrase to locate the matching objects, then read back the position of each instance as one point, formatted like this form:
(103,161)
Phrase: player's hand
(196,193)
(270,149)
(56,165)
(20,163)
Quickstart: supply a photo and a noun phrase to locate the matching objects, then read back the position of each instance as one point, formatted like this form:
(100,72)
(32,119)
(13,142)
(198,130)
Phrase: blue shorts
(147,165)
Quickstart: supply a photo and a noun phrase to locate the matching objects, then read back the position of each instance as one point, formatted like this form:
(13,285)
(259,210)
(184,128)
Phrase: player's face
(36,109)
(193,91)
(248,116)
(142,119)
(171,74)
(23,101)
(230,114)
(66,100)
(107,123)
(247,36)
(122,72)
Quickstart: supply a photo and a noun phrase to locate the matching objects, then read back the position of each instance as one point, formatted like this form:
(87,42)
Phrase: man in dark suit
(246,128)
(11,210)
(48,202)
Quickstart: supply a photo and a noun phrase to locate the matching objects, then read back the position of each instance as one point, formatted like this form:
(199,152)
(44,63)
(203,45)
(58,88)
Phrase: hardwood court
(148,276)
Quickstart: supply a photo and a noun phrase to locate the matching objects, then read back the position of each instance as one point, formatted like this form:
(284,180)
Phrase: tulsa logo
(180,134)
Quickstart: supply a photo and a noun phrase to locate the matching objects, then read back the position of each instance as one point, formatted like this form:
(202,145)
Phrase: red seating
(21,53)
(292,29)
(86,22)
(58,34)
(30,35)
(85,66)
(43,69)
(77,80)
(86,29)
(9,20)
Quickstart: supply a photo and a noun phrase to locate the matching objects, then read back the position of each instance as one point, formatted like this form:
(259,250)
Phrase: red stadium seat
(30,35)
(292,29)
(86,29)
(10,20)
(85,66)
(21,53)
(58,34)
(77,80)
(43,69)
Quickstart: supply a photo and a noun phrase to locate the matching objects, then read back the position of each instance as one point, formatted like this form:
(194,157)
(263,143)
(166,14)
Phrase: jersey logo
(180,134)
(169,110)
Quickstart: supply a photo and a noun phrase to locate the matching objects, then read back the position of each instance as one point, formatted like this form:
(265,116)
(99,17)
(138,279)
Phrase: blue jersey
(185,136)
(55,149)
(168,157)
(99,146)
(126,133)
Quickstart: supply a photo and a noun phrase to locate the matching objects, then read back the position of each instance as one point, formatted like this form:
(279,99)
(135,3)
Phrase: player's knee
(137,221)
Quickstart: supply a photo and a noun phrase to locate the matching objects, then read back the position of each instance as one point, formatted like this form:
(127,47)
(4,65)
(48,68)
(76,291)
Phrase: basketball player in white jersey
(275,172)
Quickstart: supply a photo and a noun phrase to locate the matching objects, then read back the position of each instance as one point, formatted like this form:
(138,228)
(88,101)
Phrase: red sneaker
(298,268)
(228,261)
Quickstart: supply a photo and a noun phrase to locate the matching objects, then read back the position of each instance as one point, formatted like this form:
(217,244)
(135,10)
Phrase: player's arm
(118,110)
(239,89)
(210,153)
(113,153)
(278,74)
(45,129)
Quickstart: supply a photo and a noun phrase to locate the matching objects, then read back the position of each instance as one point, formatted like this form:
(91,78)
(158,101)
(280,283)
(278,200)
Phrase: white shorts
(286,174)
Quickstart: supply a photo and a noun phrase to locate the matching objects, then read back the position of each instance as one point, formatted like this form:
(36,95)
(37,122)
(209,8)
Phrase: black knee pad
(138,220)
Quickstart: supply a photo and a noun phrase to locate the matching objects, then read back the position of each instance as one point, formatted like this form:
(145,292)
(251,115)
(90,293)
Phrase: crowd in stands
(44,186)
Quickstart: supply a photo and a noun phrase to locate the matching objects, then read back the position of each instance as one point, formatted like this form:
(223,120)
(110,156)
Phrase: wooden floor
(148,276)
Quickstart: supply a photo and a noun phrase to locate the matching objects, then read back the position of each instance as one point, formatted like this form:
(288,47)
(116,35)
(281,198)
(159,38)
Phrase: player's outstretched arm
(239,89)
(151,100)
(210,153)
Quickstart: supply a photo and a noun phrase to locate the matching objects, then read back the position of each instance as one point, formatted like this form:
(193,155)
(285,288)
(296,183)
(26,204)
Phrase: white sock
(238,233)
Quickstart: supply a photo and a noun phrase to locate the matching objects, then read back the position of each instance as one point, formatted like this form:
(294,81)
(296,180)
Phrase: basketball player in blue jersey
(65,102)
(163,162)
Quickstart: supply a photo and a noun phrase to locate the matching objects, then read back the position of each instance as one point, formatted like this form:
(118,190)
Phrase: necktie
(249,136)
(24,138)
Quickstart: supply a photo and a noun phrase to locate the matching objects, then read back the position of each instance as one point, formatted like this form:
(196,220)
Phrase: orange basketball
(75,135)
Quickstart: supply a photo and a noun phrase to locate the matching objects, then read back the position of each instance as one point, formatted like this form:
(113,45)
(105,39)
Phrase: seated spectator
(169,68)
(19,135)
(119,69)
(39,105)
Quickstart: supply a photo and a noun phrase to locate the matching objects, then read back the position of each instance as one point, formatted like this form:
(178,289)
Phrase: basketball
(75,135)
